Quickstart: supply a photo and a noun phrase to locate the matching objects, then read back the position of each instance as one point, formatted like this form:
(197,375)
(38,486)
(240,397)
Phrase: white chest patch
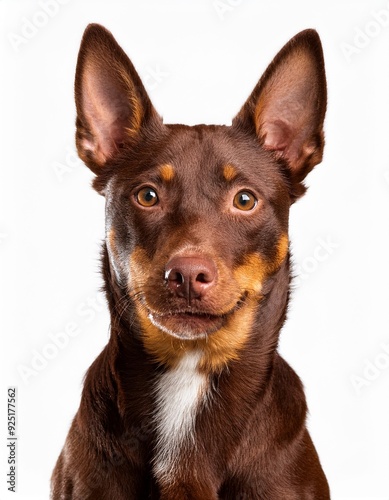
(179,392)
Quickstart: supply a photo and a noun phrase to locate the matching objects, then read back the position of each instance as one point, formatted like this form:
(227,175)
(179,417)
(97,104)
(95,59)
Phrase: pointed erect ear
(112,103)
(286,109)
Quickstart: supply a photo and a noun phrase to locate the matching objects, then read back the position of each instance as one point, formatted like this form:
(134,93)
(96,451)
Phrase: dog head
(197,217)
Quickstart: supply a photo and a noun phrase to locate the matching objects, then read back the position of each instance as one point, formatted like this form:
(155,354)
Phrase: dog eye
(147,197)
(244,200)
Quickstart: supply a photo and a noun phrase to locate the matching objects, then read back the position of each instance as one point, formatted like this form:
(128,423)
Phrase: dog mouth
(188,325)
(191,325)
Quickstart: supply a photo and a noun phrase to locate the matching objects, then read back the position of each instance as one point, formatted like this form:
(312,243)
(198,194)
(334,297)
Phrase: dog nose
(190,277)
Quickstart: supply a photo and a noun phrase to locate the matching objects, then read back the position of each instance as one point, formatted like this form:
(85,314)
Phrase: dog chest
(179,393)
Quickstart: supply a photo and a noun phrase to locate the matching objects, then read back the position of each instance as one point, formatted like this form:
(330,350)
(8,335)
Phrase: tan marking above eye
(229,172)
(167,172)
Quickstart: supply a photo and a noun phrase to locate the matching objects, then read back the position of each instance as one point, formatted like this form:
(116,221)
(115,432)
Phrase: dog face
(197,217)
(193,235)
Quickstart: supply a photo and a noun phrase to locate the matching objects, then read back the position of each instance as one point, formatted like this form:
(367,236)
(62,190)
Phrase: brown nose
(190,277)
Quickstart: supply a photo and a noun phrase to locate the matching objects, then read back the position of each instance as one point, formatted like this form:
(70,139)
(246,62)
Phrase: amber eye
(147,197)
(244,200)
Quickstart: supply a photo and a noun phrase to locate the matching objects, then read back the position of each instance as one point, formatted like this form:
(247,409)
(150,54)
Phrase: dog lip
(187,326)
(191,324)
(192,314)
(198,313)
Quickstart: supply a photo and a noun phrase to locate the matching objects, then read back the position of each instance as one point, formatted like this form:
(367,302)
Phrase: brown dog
(190,399)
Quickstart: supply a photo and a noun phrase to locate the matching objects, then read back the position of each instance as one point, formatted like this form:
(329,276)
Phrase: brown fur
(187,269)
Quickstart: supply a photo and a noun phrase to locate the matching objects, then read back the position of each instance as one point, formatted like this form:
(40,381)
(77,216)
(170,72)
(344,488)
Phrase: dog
(190,398)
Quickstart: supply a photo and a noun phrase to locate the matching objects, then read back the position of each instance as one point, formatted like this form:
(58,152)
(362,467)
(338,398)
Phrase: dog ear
(112,103)
(286,109)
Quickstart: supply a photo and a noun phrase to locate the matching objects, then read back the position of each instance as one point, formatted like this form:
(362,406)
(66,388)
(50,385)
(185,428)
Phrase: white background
(199,59)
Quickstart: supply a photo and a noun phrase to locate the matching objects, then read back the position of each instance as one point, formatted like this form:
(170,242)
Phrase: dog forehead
(204,151)
(201,161)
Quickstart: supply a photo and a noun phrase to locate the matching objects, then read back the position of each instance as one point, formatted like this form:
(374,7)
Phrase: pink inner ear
(293,144)
(106,110)
(287,111)
(112,104)
(277,135)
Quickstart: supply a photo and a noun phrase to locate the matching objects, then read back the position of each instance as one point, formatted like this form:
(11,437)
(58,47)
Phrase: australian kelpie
(190,399)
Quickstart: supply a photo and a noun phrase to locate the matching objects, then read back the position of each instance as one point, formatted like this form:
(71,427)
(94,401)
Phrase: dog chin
(186,326)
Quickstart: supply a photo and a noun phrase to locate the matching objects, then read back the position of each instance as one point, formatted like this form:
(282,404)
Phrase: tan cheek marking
(164,348)
(140,266)
(167,172)
(251,273)
(113,251)
(224,345)
(229,172)
(111,242)
(256,269)
(282,249)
